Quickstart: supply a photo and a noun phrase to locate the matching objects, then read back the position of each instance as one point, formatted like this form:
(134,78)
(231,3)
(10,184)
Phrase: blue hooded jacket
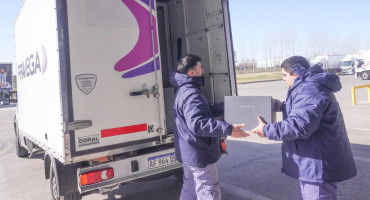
(315,143)
(197,133)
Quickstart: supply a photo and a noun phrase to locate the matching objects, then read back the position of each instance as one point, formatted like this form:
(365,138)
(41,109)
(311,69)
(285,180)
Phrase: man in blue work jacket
(316,148)
(197,133)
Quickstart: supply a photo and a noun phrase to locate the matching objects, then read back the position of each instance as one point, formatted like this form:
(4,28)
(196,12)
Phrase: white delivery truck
(347,64)
(93,88)
(362,66)
(329,63)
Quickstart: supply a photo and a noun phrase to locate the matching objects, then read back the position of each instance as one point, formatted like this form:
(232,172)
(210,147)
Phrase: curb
(241,83)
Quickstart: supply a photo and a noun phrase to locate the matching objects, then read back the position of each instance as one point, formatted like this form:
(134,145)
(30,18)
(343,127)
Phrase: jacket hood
(178,79)
(316,74)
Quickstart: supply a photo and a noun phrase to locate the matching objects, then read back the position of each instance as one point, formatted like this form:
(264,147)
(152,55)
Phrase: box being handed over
(245,109)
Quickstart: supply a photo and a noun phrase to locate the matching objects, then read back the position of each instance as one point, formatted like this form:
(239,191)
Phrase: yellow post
(353,96)
(354,93)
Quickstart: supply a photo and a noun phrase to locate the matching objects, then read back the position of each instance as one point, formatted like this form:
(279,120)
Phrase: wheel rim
(54,185)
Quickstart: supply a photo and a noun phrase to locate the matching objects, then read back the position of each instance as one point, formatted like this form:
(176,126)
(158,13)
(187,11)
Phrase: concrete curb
(241,83)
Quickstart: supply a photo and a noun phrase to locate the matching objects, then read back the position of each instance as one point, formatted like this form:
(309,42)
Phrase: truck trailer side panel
(38,76)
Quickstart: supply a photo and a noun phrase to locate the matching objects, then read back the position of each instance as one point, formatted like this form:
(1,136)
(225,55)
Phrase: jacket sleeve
(199,120)
(303,120)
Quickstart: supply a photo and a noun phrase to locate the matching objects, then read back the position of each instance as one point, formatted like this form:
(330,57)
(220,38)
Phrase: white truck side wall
(37,56)
(334,61)
(100,34)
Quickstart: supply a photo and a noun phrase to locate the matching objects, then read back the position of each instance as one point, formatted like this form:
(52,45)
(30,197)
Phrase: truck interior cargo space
(198,27)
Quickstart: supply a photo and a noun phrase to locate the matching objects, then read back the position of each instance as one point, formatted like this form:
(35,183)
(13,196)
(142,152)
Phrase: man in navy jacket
(197,133)
(315,148)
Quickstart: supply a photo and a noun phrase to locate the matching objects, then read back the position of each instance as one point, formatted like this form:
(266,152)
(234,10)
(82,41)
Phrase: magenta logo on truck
(32,64)
(143,58)
(45,59)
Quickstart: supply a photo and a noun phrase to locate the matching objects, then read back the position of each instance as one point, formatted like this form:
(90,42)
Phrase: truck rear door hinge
(76,125)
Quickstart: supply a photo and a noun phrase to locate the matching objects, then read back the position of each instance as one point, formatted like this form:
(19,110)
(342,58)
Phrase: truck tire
(54,189)
(21,151)
(365,75)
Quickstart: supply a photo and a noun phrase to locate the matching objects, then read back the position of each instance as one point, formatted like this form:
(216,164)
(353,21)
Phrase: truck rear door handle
(147,92)
(138,93)
(76,125)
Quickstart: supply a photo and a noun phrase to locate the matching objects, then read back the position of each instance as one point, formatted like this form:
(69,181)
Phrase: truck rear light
(102,159)
(96,176)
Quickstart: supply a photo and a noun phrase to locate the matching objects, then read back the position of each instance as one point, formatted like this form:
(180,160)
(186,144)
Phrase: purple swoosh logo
(143,49)
(45,59)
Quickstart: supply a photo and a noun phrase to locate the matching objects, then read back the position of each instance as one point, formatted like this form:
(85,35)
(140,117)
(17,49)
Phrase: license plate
(162,160)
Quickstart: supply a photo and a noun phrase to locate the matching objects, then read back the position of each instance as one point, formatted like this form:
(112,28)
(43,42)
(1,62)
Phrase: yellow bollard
(354,92)
(353,96)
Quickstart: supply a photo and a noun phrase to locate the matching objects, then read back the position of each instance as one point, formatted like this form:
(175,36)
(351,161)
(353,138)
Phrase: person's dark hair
(187,62)
(294,60)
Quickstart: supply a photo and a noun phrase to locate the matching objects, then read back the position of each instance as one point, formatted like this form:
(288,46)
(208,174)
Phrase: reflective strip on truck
(123,130)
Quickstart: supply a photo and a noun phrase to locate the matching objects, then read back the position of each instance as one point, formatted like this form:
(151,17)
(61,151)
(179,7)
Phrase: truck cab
(347,64)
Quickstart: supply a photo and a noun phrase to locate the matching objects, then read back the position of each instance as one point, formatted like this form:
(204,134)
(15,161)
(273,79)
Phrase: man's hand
(237,132)
(277,105)
(259,129)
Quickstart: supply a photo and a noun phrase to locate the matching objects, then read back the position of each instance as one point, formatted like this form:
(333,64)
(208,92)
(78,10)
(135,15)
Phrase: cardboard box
(245,109)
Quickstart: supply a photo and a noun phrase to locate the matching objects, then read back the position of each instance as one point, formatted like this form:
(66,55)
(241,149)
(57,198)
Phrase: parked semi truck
(329,63)
(93,85)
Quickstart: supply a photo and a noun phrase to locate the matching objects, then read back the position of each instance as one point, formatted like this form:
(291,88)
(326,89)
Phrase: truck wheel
(179,175)
(21,151)
(54,188)
(365,75)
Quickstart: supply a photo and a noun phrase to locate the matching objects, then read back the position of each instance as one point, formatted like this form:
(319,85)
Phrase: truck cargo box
(93,80)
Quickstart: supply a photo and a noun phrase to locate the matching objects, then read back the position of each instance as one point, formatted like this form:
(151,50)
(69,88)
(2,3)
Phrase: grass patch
(259,76)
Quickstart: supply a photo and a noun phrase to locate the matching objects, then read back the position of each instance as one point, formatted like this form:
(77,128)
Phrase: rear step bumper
(127,170)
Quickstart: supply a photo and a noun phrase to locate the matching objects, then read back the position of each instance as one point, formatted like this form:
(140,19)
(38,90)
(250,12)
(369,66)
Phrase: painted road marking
(346,114)
(361,129)
(361,158)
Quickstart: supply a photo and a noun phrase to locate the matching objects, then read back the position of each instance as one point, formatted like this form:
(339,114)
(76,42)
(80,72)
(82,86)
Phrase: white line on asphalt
(361,158)
(356,115)
(242,192)
(361,129)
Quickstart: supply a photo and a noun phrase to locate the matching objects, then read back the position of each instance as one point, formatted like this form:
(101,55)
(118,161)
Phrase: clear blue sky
(251,20)
(9,11)
(341,20)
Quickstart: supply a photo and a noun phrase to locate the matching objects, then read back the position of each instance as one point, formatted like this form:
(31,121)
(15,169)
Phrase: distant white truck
(329,63)
(93,88)
(347,64)
(362,66)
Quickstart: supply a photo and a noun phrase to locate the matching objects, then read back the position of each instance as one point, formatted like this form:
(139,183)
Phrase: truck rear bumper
(127,170)
(348,71)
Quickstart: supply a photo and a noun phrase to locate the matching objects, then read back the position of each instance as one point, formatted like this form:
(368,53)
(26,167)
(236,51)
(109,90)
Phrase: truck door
(202,27)
(115,76)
